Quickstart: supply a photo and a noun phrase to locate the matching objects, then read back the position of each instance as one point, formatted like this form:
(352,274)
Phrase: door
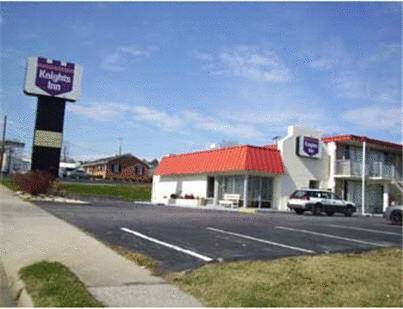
(337,203)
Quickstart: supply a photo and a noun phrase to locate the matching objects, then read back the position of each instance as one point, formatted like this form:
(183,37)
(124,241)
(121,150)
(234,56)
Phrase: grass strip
(52,284)
(9,183)
(370,279)
(139,259)
(129,192)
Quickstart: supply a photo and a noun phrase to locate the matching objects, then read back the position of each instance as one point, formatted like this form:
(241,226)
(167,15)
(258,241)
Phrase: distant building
(125,166)
(13,159)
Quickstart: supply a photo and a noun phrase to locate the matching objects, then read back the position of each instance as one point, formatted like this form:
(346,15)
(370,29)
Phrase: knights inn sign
(308,147)
(53,82)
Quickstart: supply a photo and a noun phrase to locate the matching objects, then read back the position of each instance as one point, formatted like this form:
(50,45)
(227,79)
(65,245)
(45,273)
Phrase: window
(335,197)
(315,194)
(325,195)
(210,187)
(298,194)
(115,168)
(347,152)
(313,184)
(139,170)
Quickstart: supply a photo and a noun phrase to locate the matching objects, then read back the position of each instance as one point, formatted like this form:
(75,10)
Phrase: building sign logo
(53,78)
(309,147)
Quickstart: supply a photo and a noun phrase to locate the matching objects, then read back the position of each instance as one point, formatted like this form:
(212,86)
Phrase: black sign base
(49,119)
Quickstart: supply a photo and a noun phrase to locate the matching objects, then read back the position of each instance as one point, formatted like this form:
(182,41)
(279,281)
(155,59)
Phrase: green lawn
(129,192)
(371,279)
(54,285)
(9,183)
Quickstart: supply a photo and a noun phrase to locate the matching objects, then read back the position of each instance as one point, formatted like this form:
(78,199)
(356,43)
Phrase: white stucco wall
(164,186)
(299,170)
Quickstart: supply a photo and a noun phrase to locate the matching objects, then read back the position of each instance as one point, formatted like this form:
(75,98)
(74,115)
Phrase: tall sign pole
(3,145)
(53,82)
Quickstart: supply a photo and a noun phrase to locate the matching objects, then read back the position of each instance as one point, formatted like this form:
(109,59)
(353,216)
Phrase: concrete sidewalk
(29,234)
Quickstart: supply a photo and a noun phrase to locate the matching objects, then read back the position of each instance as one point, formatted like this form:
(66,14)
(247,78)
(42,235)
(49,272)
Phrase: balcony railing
(372,169)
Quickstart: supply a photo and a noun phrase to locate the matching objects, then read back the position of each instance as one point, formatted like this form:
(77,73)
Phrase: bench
(231,200)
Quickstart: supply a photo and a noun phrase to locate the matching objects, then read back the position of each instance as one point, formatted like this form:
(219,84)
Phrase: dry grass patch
(138,258)
(371,279)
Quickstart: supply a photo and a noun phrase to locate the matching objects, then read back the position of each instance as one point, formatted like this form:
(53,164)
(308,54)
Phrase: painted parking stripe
(333,236)
(260,240)
(364,230)
(165,244)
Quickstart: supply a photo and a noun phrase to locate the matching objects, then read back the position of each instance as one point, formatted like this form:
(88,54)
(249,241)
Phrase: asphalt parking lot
(182,238)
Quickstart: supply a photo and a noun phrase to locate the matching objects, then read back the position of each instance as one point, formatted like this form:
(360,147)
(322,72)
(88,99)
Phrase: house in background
(13,158)
(125,166)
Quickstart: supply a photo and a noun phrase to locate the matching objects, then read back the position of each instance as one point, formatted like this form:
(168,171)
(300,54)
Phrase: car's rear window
(298,194)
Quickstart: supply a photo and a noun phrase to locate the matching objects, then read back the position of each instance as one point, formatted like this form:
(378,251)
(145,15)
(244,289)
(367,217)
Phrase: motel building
(363,170)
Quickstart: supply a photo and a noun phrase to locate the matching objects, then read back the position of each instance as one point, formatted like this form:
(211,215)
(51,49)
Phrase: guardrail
(372,169)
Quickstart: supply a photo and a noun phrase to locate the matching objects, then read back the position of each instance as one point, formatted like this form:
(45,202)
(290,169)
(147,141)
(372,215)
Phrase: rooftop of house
(227,159)
(109,159)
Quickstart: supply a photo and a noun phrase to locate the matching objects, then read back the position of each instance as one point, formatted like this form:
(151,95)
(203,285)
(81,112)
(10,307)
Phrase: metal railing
(372,169)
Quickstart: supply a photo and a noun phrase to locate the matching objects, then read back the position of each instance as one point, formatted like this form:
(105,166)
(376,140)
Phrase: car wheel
(330,213)
(299,211)
(317,209)
(348,212)
(396,217)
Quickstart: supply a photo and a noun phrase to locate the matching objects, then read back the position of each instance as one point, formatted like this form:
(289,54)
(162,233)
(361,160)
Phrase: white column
(363,168)
(260,193)
(245,191)
(385,196)
(216,184)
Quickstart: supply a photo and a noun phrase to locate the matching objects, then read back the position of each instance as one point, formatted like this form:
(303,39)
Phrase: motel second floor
(383,160)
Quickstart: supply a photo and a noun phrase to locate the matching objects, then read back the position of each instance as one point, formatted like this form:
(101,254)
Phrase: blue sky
(176,77)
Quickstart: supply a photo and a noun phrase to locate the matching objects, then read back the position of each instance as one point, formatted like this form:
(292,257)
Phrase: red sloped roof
(350,137)
(231,159)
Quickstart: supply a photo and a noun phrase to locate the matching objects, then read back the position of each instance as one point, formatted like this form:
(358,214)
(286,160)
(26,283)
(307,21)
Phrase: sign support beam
(48,134)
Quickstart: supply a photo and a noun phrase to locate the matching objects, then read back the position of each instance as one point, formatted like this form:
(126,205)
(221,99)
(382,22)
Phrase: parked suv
(318,201)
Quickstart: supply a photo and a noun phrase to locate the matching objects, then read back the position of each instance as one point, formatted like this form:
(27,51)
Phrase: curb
(20,293)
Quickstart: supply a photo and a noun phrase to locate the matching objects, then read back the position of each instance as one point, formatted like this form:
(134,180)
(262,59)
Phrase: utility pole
(120,145)
(3,143)
(120,152)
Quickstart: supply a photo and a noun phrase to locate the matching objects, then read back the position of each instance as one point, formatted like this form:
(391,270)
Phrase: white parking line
(162,243)
(260,240)
(364,230)
(332,236)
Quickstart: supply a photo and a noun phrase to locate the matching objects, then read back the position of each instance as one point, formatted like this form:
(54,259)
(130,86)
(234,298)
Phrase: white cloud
(323,63)
(215,124)
(102,111)
(376,117)
(161,119)
(120,57)
(249,62)
(361,76)
(175,121)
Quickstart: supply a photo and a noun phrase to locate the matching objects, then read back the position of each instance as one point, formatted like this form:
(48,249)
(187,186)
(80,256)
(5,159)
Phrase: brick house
(126,167)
